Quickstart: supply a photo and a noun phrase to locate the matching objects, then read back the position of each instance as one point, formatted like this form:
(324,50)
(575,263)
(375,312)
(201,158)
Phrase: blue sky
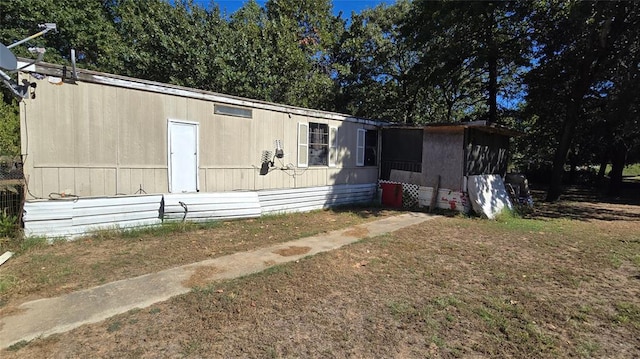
(346,6)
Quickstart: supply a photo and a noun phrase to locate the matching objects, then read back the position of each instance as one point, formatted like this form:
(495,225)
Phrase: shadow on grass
(367,210)
(375,211)
(586,203)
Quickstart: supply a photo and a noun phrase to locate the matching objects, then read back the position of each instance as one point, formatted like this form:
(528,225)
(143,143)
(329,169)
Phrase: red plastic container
(392,195)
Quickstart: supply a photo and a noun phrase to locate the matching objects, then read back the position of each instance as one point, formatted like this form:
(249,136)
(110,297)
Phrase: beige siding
(141,130)
(67,180)
(108,130)
(50,182)
(110,181)
(124,181)
(93,140)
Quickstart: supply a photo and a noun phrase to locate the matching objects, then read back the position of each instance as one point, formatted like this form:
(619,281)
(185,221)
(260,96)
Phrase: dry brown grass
(201,276)
(50,270)
(292,251)
(453,287)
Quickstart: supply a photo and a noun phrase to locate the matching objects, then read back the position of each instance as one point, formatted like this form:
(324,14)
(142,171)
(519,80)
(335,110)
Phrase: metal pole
(18,90)
(48,27)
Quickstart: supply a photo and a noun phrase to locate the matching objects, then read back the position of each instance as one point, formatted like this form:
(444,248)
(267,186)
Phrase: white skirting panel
(312,198)
(211,206)
(48,218)
(447,199)
(69,218)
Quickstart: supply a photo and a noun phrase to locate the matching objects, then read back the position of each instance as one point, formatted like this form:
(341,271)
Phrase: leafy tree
(281,53)
(169,43)
(88,28)
(622,110)
(246,68)
(471,52)
(303,34)
(575,42)
(375,64)
(9,126)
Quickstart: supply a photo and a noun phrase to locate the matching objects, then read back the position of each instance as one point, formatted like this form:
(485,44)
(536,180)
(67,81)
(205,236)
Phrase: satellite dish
(8,60)
(9,63)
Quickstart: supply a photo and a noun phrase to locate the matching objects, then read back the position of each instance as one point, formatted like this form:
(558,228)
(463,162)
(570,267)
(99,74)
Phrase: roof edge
(108,79)
(480,125)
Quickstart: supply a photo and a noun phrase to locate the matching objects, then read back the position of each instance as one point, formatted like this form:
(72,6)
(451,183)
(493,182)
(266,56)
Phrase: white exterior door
(183,156)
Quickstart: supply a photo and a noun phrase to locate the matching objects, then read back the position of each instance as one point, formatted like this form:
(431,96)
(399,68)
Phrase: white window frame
(333,146)
(360,143)
(303,144)
(234,111)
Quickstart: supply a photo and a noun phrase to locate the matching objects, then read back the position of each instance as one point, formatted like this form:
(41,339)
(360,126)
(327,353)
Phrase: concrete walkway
(43,317)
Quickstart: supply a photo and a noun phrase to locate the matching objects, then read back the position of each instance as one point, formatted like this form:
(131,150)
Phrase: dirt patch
(201,276)
(361,264)
(269,263)
(292,251)
(358,232)
(10,310)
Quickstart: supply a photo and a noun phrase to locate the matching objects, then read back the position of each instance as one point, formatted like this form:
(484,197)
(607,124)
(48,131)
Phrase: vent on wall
(232,111)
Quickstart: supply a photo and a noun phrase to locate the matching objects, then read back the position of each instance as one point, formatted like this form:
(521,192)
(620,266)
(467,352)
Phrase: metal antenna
(74,73)
(47,27)
(9,62)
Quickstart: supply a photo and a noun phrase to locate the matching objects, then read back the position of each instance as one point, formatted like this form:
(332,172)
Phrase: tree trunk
(573,169)
(618,160)
(587,69)
(493,89)
(555,185)
(492,63)
(604,160)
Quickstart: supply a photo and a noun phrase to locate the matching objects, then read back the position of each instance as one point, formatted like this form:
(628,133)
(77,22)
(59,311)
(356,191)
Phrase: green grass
(190,347)
(627,314)
(7,282)
(17,346)
(615,260)
(33,243)
(114,326)
(154,310)
(435,339)
(588,348)
(444,302)
(582,313)
(514,222)
(284,268)
(626,252)
(507,321)
(8,225)
(400,308)
(51,268)
(164,229)
(632,170)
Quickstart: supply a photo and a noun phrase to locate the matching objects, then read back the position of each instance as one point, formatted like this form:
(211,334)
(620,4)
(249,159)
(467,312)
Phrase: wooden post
(434,196)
